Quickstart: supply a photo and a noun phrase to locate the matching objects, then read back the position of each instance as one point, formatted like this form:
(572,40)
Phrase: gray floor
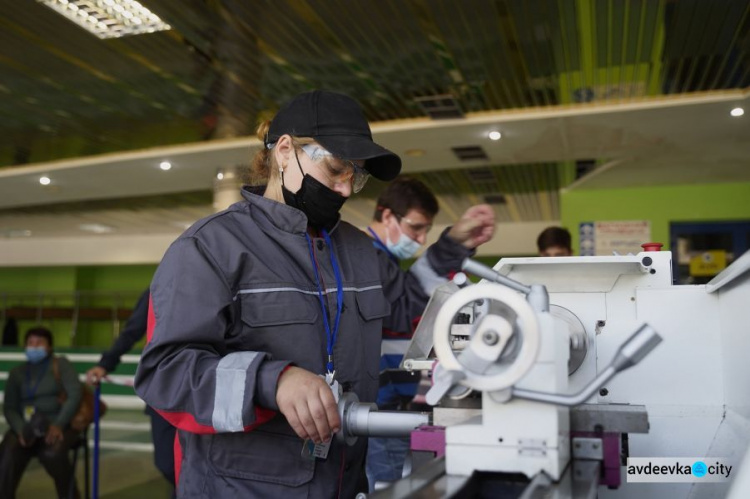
(126,468)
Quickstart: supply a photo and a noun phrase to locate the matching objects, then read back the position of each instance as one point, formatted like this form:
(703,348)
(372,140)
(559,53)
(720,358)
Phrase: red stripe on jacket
(150,320)
(186,421)
(389,334)
(177,459)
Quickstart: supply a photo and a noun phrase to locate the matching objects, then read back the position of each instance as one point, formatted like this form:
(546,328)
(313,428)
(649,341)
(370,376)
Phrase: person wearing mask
(264,313)
(554,241)
(162,433)
(404,214)
(39,422)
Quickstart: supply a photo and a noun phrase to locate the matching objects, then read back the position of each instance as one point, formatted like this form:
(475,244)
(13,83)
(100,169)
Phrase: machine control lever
(483,271)
(635,348)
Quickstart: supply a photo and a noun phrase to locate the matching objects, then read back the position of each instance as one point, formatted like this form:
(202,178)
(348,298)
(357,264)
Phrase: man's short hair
(405,194)
(40,332)
(553,236)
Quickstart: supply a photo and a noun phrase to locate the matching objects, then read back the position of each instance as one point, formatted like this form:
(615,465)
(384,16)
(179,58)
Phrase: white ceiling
(676,140)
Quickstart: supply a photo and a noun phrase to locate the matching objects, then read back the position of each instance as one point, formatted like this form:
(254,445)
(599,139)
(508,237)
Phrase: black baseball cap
(336,122)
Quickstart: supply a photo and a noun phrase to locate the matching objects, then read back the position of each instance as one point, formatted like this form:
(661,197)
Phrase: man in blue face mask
(403,217)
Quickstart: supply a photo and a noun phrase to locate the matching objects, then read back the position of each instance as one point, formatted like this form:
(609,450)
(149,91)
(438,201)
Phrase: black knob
(463,318)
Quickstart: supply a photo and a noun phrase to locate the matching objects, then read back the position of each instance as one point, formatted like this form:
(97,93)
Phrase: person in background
(39,423)
(265,312)
(404,214)
(162,433)
(554,241)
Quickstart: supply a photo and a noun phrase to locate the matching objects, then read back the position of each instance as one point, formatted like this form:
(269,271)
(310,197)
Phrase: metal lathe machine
(551,372)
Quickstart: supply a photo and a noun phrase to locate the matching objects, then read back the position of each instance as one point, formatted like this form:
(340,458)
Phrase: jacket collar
(281,215)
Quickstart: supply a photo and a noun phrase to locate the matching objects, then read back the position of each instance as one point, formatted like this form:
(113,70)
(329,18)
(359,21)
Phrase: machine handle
(635,348)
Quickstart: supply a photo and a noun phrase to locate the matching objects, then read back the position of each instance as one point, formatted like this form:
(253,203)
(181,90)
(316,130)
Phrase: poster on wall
(618,237)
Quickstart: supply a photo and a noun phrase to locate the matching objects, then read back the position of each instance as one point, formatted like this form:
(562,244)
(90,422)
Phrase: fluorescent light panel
(109,18)
(97,228)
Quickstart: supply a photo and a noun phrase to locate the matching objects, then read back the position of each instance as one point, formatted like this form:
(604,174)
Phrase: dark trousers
(14,458)
(162,434)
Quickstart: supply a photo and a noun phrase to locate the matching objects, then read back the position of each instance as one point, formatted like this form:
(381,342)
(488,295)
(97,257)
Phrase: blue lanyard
(380,244)
(331,335)
(30,392)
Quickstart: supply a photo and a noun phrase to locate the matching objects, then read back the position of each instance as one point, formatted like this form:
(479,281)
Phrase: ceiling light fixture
(44,180)
(220,174)
(165,165)
(495,135)
(737,112)
(97,228)
(109,18)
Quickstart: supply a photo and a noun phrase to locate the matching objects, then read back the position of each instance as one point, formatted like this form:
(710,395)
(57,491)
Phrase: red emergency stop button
(651,246)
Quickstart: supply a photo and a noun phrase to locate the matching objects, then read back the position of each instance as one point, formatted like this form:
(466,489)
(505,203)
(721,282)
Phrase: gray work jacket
(235,301)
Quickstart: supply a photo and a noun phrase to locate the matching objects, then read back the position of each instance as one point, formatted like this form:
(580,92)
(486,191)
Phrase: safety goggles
(337,170)
(416,228)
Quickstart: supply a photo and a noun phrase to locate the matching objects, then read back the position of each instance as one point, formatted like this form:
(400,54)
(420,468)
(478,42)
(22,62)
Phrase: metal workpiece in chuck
(359,419)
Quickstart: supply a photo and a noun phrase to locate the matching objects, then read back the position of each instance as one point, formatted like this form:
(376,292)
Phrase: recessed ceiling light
(737,112)
(16,232)
(165,165)
(220,175)
(44,180)
(109,18)
(97,228)
(495,135)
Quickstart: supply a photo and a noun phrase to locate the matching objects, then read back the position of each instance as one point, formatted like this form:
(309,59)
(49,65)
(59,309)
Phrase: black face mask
(318,202)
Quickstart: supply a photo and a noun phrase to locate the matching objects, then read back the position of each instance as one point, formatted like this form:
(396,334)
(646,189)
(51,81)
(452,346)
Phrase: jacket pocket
(372,307)
(372,304)
(277,308)
(269,464)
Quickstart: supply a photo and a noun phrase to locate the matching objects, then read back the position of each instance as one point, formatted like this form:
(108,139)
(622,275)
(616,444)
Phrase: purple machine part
(611,453)
(429,439)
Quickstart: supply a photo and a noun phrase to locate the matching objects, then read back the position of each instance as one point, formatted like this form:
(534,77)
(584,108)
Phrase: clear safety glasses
(337,170)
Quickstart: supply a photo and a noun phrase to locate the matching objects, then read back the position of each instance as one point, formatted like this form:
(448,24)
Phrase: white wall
(90,250)
(510,239)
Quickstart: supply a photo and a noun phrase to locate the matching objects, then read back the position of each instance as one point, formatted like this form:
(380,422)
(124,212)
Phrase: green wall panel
(659,205)
(98,286)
